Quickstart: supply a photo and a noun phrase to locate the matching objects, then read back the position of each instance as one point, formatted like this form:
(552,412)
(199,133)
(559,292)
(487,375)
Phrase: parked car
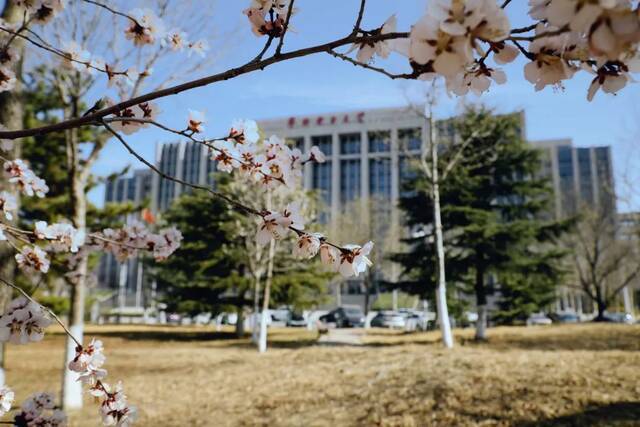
(296,320)
(538,320)
(565,318)
(389,319)
(619,318)
(345,317)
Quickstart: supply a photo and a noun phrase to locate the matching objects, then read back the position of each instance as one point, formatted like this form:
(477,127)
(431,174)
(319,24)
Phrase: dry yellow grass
(570,375)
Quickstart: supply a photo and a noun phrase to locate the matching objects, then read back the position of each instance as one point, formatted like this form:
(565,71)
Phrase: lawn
(570,375)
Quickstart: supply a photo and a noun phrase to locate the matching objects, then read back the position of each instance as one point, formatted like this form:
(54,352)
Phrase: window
(349,180)
(322,180)
(586,182)
(380,178)
(379,141)
(407,174)
(350,143)
(410,139)
(191,163)
(567,189)
(297,142)
(324,143)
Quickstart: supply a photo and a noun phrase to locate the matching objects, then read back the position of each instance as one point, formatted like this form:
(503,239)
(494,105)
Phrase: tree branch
(226,75)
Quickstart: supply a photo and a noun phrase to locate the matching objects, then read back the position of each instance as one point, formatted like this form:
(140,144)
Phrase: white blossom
(329,256)
(64,236)
(226,155)
(145,28)
(7,79)
(195,121)
(175,39)
(145,110)
(307,245)
(33,259)
(382,48)
(165,243)
(353,259)
(8,204)
(115,410)
(76,57)
(38,411)
(7,397)
(46,10)
(88,362)
(244,132)
(23,322)
(316,155)
(199,47)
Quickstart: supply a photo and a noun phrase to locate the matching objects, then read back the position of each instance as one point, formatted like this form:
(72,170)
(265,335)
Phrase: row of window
(350,178)
(351,143)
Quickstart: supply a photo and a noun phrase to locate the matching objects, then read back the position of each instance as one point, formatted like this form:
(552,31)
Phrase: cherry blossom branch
(46,46)
(356,27)
(505,4)
(205,81)
(285,29)
(150,165)
(56,318)
(189,135)
(347,58)
(237,205)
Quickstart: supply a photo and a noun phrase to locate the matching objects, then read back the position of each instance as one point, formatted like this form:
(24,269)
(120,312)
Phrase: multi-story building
(188,161)
(581,176)
(125,280)
(368,160)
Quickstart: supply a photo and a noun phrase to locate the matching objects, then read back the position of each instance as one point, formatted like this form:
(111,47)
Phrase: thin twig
(286,28)
(115,12)
(372,68)
(356,26)
(205,81)
(57,319)
(237,205)
(222,196)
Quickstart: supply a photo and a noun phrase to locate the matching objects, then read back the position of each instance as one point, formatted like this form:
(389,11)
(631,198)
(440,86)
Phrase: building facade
(125,280)
(581,177)
(369,159)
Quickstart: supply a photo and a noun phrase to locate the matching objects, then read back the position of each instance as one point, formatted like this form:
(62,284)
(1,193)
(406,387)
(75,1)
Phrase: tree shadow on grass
(613,414)
(164,335)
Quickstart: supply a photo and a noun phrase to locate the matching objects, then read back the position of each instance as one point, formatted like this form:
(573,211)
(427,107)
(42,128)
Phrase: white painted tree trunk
(626,297)
(71,387)
(481,325)
(262,342)
(441,291)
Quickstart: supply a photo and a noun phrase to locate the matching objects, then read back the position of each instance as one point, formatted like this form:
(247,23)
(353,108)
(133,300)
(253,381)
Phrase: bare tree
(88,26)
(436,170)
(605,256)
(11,116)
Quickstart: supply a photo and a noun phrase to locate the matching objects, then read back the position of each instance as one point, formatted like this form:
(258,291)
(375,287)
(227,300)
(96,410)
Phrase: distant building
(581,176)
(368,159)
(187,161)
(125,280)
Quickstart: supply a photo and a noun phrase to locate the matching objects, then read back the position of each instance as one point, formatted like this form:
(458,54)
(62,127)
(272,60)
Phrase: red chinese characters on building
(321,121)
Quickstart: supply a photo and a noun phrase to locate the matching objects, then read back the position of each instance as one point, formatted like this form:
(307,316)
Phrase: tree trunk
(602,307)
(441,292)
(262,342)
(12,117)
(71,387)
(255,329)
(240,321)
(481,305)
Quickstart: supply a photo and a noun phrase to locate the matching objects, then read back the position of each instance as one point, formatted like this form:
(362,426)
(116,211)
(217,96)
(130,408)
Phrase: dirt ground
(572,375)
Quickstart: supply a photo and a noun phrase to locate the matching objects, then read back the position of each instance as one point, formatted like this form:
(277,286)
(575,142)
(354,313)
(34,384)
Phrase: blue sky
(321,84)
